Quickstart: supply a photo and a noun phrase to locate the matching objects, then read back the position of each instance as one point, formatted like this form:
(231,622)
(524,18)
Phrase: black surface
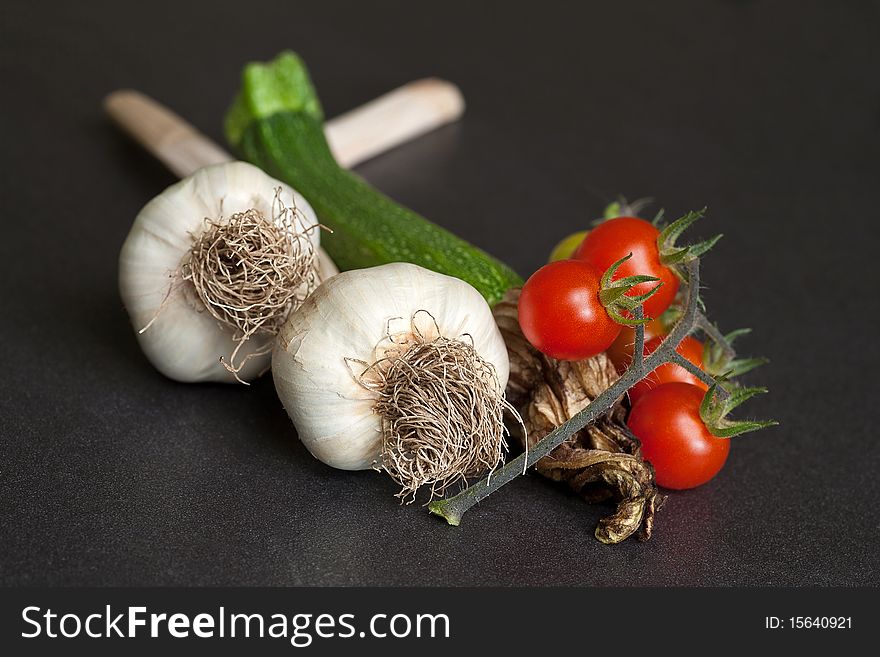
(768,112)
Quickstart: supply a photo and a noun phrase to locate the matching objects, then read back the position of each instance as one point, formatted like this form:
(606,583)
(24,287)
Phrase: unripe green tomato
(566,248)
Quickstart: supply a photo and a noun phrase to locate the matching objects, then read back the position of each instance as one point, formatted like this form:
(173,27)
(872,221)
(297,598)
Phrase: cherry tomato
(565,248)
(621,350)
(690,348)
(616,238)
(560,312)
(674,439)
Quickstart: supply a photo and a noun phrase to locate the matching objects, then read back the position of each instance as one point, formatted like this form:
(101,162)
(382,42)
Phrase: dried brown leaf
(600,463)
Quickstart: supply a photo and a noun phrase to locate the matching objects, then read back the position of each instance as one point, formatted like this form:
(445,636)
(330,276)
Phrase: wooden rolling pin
(388,121)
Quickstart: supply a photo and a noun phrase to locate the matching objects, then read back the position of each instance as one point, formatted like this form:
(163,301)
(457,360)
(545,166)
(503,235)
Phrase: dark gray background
(768,112)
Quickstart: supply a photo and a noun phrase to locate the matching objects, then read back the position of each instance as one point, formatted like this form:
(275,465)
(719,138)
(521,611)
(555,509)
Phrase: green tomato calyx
(715,408)
(623,208)
(672,255)
(613,294)
(720,362)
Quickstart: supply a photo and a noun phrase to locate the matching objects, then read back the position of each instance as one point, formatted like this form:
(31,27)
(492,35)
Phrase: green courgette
(276,123)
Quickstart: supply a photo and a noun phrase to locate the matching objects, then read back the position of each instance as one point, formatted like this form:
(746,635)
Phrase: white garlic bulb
(178,334)
(354,320)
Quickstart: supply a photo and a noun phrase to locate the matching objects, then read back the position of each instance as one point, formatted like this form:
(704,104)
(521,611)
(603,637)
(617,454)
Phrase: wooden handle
(392,119)
(386,122)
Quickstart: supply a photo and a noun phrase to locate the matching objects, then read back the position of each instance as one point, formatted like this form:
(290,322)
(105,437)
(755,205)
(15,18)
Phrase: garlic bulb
(213,265)
(399,368)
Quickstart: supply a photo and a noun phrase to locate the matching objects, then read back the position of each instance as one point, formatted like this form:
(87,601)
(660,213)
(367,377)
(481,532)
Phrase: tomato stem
(638,360)
(702,375)
(453,508)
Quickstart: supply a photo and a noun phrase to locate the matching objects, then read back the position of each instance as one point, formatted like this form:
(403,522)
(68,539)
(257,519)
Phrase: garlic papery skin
(344,326)
(174,328)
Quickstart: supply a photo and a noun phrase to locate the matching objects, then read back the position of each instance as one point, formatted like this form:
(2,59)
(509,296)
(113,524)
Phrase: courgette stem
(276,123)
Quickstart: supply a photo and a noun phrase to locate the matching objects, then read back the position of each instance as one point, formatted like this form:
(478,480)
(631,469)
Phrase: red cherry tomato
(674,439)
(621,350)
(690,348)
(560,312)
(616,238)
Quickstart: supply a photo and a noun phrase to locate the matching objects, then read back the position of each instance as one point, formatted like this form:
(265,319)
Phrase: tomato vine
(719,399)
